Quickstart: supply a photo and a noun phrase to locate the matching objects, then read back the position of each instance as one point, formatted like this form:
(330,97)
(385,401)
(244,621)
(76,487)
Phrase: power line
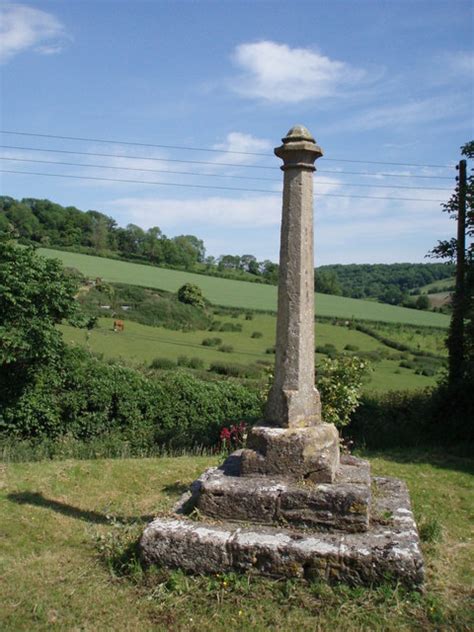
(88,153)
(222,151)
(212,175)
(386,175)
(203,186)
(200,162)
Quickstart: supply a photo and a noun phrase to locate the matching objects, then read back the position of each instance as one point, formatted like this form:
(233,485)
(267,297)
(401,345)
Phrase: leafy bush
(340,383)
(248,315)
(191,363)
(351,348)
(162,363)
(226,348)
(235,370)
(191,294)
(84,398)
(270,350)
(256,334)
(230,327)
(327,349)
(211,342)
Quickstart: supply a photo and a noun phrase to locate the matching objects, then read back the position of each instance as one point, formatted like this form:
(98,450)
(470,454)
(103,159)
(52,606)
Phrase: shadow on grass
(176,488)
(38,500)
(456,458)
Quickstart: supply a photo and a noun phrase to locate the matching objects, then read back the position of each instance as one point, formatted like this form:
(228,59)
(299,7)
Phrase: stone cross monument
(288,505)
(293,440)
(294,400)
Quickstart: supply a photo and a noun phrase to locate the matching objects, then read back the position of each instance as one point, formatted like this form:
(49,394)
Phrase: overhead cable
(221,151)
(203,186)
(214,175)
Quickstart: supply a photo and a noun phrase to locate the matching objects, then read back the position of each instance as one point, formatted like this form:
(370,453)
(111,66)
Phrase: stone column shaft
(294,400)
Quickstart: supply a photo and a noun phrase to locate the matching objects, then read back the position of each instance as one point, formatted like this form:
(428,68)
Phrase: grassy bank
(67,563)
(238,293)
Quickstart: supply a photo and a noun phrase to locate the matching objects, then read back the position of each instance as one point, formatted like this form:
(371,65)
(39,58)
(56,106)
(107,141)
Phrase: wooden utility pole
(456,336)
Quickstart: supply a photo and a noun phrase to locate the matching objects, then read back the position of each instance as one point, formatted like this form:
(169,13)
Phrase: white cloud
(245,143)
(249,212)
(24,28)
(276,72)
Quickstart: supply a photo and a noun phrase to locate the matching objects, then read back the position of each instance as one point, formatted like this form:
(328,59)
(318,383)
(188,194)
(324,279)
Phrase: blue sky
(376,81)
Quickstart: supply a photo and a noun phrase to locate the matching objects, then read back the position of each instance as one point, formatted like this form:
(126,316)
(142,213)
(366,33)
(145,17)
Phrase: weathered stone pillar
(294,400)
(293,440)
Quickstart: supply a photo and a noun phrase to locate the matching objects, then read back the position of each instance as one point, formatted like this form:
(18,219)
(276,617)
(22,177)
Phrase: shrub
(248,315)
(327,349)
(270,350)
(215,325)
(191,294)
(211,342)
(84,398)
(235,370)
(230,327)
(351,348)
(340,383)
(191,363)
(162,363)
(256,334)
(226,348)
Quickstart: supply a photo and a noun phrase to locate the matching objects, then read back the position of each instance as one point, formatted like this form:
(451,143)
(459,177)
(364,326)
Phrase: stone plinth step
(388,551)
(344,504)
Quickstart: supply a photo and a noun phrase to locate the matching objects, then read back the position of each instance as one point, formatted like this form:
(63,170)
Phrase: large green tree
(35,295)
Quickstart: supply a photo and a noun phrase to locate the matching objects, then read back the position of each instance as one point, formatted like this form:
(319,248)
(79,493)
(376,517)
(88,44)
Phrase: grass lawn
(67,527)
(238,293)
(141,344)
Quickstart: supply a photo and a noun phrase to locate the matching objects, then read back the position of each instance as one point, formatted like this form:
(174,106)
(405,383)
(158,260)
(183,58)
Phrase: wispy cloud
(170,213)
(414,112)
(24,28)
(276,72)
(240,142)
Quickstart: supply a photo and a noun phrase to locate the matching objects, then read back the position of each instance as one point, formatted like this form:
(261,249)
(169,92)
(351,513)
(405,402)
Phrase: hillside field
(241,294)
(140,344)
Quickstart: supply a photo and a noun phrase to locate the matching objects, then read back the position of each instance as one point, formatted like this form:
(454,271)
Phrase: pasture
(90,579)
(140,344)
(241,294)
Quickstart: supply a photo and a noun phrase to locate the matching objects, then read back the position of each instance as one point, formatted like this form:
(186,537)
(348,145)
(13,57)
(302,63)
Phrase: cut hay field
(241,294)
(68,562)
(140,344)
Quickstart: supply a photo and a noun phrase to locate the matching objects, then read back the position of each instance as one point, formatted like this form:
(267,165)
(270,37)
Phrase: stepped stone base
(219,493)
(388,550)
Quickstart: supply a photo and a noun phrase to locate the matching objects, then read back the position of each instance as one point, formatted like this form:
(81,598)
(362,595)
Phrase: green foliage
(190,363)
(422,302)
(191,295)
(226,348)
(236,370)
(35,295)
(340,383)
(211,342)
(256,334)
(84,398)
(162,363)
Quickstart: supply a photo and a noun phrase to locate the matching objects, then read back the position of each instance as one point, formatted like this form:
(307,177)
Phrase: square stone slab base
(310,453)
(388,551)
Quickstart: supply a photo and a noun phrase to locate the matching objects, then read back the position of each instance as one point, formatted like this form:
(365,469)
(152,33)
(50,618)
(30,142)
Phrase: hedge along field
(141,344)
(238,293)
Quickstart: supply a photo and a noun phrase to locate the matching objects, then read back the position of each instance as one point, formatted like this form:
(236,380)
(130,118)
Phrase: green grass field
(141,344)
(238,293)
(66,562)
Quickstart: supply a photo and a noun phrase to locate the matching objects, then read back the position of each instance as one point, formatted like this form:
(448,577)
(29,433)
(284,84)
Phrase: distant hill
(91,232)
(241,294)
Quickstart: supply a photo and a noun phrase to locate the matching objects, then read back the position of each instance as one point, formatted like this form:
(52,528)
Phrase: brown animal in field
(119,325)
